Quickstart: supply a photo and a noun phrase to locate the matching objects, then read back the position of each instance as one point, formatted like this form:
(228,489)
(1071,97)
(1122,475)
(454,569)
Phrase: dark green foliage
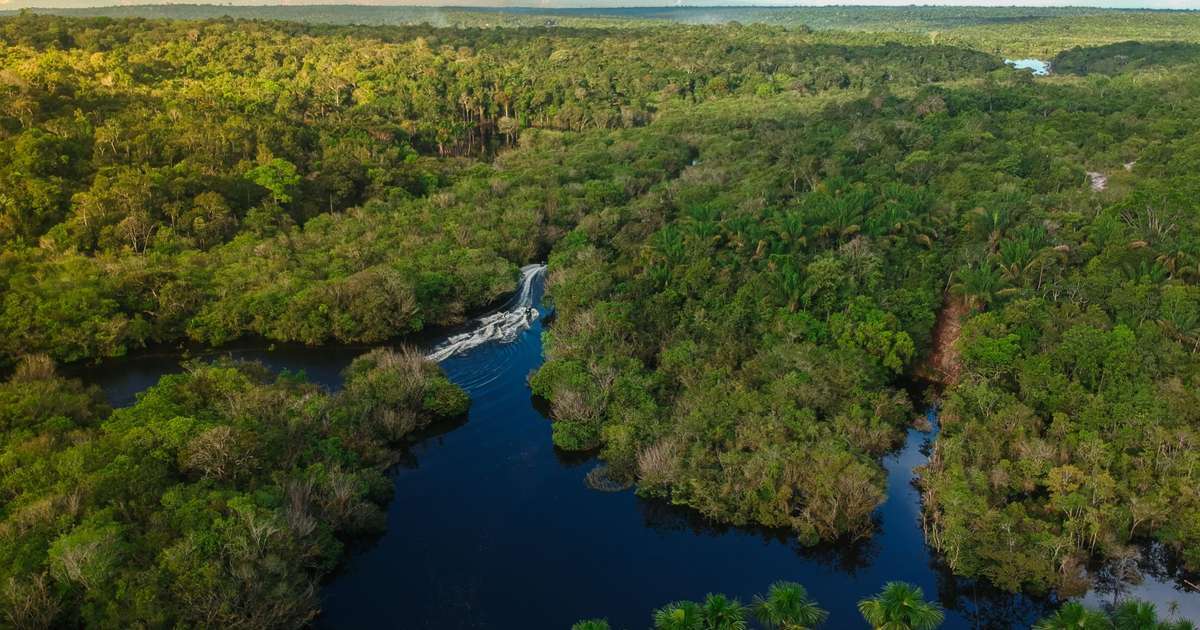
(716,612)
(786,606)
(901,606)
(591,624)
(1130,615)
(220,497)
(1125,57)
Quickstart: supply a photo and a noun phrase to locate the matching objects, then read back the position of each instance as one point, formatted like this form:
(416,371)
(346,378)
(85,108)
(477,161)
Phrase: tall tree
(787,606)
(901,606)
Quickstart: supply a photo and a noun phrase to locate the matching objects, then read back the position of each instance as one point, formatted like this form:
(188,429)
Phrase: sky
(1137,4)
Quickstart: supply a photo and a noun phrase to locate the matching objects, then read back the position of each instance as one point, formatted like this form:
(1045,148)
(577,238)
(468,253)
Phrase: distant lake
(1037,66)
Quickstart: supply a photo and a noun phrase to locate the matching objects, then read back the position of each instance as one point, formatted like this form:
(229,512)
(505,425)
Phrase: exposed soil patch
(944,364)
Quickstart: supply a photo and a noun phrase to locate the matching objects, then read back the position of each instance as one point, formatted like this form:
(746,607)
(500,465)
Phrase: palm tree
(791,280)
(1135,614)
(591,624)
(788,606)
(721,613)
(792,227)
(901,606)
(991,223)
(1052,258)
(683,615)
(978,286)
(1015,254)
(1139,615)
(1074,616)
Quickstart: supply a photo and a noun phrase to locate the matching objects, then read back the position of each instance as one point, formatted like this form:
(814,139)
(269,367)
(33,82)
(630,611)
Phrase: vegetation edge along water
(750,230)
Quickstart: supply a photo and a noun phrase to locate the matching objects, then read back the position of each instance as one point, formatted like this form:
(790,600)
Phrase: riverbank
(488,502)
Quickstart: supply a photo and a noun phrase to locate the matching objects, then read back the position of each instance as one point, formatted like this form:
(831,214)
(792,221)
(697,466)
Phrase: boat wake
(503,326)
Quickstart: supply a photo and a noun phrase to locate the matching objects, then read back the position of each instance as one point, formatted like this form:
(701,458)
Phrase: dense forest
(737,340)
(757,237)
(174,180)
(219,499)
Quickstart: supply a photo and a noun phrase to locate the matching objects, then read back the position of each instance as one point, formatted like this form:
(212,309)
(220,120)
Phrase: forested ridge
(1016,30)
(750,233)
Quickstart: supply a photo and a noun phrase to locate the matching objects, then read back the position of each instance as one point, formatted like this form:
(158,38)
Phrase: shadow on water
(668,519)
(497,529)
(492,527)
(432,433)
(1149,572)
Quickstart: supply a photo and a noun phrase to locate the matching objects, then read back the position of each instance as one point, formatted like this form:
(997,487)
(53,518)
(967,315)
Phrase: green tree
(978,285)
(722,613)
(1130,615)
(591,624)
(1140,615)
(279,177)
(682,615)
(788,606)
(1074,616)
(901,606)
(873,331)
(1133,615)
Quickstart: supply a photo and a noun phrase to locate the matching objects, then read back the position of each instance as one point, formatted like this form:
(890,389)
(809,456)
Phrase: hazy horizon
(570,4)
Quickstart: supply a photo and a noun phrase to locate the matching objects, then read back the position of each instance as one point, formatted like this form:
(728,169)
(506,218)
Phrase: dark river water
(491,527)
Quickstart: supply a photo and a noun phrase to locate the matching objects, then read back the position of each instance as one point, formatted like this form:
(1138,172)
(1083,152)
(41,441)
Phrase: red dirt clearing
(944,365)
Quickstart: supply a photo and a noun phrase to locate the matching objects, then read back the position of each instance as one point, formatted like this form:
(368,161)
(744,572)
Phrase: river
(492,527)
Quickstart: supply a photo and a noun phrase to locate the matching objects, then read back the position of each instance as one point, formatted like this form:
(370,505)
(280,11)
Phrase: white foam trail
(504,326)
